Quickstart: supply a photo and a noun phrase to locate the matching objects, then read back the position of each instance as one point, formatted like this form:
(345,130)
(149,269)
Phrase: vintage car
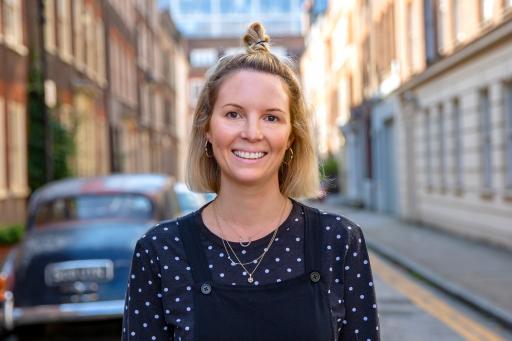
(74,261)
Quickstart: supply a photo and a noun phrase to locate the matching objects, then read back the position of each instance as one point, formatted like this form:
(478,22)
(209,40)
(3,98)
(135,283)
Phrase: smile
(249,155)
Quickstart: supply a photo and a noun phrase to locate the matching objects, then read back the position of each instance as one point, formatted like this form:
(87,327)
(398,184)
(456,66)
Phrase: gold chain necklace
(259,258)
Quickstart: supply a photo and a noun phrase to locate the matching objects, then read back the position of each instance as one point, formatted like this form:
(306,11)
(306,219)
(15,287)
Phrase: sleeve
(144,314)
(361,318)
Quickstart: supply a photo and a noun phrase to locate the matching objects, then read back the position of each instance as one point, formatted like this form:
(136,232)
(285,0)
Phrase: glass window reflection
(274,6)
(195,6)
(235,6)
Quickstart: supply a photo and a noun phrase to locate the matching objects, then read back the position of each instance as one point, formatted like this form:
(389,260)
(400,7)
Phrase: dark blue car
(74,261)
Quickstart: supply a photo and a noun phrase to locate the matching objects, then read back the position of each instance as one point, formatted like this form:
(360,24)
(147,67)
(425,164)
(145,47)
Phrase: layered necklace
(229,249)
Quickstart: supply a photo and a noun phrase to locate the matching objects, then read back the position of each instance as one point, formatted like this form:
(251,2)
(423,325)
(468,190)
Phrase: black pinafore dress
(296,309)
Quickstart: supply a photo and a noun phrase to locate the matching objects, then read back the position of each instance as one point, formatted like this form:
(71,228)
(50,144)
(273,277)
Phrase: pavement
(474,272)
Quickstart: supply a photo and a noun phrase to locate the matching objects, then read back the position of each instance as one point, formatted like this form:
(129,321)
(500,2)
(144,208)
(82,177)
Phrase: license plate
(97,270)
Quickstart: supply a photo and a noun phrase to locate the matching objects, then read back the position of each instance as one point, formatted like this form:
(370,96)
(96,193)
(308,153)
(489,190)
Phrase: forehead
(247,87)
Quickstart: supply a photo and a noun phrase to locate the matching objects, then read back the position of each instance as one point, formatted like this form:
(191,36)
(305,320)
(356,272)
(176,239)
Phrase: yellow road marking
(461,324)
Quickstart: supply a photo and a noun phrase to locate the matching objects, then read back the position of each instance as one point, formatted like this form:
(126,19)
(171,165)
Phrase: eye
(232,114)
(272,118)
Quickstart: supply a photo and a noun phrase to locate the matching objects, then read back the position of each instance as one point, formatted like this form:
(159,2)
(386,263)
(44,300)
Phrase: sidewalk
(476,273)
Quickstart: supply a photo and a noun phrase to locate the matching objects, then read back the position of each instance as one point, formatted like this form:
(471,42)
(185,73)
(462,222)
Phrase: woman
(254,264)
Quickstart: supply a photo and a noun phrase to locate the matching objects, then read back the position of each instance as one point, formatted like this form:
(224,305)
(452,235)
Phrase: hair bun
(255,39)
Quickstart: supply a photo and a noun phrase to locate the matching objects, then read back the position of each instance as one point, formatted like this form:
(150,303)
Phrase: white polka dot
(133,276)
(136,312)
(177,278)
(176,258)
(147,304)
(177,299)
(278,280)
(297,239)
(327,228)
(256,283)
(338,236)
(176,239)
(166,247)
(299,260)
(153,337)
(350,288)
(374,306)
(157,317)
(132,333)
(221,275)
(166,267)
(244,252)
(154,238)
(329,247)
(277,259)
(338,259)
(370,284)
(287,249)
(357,331)
(338,218)
(361,297)
(289,270)
(267,271)
(296,219)
(347,267)
(167,311)
(188,268)
(187,328)
(358,275)
(149,282)
(137,254)
(354,310)
(188,309)
(244,273)
(221,255)
(166,289)
(365,318)
(210,266)
(210,247)
(189,288)
(354,254)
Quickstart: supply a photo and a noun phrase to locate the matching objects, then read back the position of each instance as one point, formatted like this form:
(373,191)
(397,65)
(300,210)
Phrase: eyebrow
(240,107)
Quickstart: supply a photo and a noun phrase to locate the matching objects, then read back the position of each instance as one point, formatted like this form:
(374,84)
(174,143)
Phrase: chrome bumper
(18,316)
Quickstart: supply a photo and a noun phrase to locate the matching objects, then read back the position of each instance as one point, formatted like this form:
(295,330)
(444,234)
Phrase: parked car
(74,261)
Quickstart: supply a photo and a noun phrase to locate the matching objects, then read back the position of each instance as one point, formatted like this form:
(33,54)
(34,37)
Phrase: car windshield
(94,207)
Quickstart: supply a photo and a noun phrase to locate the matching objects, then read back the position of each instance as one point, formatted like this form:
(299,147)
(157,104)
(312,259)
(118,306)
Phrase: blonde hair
(298,176)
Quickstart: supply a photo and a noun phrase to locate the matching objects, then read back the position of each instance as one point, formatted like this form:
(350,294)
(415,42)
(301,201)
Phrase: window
(508,114)
(12,22)
(458,35)
(457,143)
(90,42)
(3,142)
(410,37)
(485,139)
(428,151)
(49,27)
(441,139)
(196,85)
(79,29)
(235,6)
(194,7)
(100,51)
(441,16)
(272,6)
(64,28)
(486,9)
(203,57)
(17,148)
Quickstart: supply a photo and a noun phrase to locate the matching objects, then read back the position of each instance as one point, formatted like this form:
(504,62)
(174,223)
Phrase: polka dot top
(159,303)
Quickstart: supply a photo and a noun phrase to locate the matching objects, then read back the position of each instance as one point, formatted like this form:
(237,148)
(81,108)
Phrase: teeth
(247,155)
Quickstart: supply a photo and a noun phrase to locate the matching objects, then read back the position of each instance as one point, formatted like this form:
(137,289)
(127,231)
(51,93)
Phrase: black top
(160,300)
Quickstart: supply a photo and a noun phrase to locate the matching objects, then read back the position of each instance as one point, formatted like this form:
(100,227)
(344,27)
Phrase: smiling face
(250,128)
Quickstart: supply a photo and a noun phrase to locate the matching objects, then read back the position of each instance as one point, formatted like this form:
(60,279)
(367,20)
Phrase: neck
(250,209)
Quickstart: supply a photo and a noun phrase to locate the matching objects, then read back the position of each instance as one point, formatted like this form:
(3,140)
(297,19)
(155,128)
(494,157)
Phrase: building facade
(459,111)
(427,136)
(13,103)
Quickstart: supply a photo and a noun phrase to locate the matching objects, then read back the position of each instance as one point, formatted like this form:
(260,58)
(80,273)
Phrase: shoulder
(165,235)
(335,222)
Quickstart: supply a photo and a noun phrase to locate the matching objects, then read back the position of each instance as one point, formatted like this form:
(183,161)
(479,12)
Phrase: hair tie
(260,42)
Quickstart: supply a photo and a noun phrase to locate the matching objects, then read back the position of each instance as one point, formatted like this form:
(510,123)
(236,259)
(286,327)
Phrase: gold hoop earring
(291,157)
(206,150)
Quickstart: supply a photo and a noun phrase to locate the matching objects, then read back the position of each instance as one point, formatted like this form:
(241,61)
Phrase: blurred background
(412,108)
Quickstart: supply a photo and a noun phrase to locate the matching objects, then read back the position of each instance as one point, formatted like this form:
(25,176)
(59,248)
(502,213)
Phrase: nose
(252,130)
